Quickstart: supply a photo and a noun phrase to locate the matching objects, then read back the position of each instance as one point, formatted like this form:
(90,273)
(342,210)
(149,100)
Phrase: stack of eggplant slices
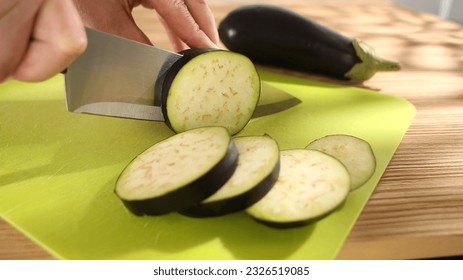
(205,170)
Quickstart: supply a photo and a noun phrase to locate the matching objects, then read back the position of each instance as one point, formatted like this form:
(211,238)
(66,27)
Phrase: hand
(38,38)
(189,23)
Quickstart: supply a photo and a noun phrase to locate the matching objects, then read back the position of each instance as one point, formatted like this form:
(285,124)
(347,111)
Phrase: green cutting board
(58,171)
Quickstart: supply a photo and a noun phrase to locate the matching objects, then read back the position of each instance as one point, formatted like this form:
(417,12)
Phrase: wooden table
(416,210)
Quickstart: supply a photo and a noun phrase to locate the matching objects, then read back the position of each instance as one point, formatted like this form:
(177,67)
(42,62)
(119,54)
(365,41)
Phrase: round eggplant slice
(209,87)
(178,172)
(356,154)
(311,185)
(257,172)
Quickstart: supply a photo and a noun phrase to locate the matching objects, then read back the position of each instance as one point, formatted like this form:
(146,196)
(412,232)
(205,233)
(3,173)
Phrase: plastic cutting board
(58,171)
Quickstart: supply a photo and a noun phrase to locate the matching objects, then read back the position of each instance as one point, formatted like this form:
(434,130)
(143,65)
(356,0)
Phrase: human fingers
(111,17)
(34,49)
(202,14)
(58,37)
(16,22)
(177,43)
(181,23)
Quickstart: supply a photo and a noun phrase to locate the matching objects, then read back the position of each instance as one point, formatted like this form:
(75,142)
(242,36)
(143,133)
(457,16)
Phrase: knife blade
(116,77)
(273,100)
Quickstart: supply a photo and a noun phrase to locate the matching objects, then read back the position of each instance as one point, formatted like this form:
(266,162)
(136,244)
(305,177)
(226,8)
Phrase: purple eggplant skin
(237,203)
(276,36)
(190,195)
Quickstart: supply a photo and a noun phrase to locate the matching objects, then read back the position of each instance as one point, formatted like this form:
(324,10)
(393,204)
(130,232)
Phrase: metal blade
(123,110)
(273,100)
(116,77)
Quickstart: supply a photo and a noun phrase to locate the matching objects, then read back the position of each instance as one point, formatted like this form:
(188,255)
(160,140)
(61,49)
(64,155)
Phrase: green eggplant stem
(370,63)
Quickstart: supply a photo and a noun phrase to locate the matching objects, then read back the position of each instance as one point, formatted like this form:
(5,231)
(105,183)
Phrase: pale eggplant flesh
(178,172)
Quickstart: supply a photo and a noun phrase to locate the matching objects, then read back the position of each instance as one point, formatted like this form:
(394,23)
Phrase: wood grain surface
(416,210)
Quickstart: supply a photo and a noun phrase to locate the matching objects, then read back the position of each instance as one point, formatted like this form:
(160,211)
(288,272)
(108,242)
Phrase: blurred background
(448,9)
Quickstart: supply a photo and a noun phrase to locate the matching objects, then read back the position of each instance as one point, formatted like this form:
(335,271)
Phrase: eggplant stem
(370,63)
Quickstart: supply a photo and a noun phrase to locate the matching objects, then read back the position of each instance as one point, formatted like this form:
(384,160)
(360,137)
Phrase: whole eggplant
(276,36)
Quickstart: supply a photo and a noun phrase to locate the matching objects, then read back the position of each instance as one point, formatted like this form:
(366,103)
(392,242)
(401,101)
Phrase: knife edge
(122,110)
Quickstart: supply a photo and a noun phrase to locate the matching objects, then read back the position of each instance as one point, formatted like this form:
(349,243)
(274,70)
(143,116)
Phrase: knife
(116,77)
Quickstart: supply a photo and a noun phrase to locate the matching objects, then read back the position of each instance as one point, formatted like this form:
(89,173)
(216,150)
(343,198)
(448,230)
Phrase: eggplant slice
(178,172)
(257,171)
(209,87)
(311,185)
(356,154)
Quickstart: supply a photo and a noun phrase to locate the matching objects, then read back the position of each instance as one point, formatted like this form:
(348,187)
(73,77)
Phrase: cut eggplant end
(210,87)
(257,171)
(178,172)
(311,185)
(355,153)
(370,63)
